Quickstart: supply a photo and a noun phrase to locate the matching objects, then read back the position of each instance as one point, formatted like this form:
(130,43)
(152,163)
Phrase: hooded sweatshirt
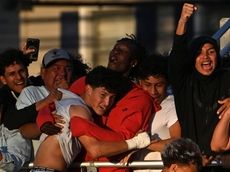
(196,95)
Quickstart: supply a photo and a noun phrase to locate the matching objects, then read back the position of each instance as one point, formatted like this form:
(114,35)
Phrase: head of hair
(79,67)
(112,81)
(137,52)
(197,43)
(153,65)
(12,56)
(182,151)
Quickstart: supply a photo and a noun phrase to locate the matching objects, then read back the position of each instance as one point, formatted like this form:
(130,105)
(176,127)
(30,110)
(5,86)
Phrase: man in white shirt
(164,127)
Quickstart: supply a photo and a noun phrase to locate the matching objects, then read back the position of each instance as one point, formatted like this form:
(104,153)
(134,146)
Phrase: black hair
(113,81)
(182,151)
(196,44)
(137,52)
(153,65)
(11,56)
(79,67)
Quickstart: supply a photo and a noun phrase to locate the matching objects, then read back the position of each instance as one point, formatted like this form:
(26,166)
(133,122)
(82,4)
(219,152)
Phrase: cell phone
(33,43)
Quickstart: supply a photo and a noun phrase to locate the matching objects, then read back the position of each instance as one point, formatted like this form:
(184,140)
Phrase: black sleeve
(36,80)
(179,60)
(15,118)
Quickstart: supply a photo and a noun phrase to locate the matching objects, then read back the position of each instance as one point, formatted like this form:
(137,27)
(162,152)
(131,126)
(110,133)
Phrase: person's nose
(107,101)
(114,52)
(62,71)
(153,90)
(205,55)
(18,76)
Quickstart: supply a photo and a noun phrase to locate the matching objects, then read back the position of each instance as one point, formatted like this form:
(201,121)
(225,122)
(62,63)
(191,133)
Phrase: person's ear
(88,90)
(3,80)
(42,72)
(173,168)
(134,63)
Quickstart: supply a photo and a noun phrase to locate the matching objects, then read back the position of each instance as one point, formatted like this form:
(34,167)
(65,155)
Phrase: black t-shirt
(10,116)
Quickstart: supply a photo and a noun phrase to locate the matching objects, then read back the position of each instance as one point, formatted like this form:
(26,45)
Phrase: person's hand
(59,120)
(187,11)
(224,108)
(50,129)
(26,50)
(141,140)
(206,160)
(61,83)
(54,94)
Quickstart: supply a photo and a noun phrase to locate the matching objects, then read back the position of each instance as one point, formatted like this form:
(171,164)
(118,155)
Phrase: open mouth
(207,65)
(20,83)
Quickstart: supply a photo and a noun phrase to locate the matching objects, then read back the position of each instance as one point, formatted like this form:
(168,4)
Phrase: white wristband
(131,144)
(141,140)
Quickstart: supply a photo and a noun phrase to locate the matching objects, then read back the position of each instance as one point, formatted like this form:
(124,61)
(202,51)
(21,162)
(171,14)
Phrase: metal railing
(92,166)
(223,29)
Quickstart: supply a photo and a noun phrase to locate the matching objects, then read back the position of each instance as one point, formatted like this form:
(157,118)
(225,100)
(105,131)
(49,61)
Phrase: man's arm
(97,148)
(175,132)
(221,136)
(187,11)
(30,131)
(80,127)
(20,117)
(54,95)
(179,61)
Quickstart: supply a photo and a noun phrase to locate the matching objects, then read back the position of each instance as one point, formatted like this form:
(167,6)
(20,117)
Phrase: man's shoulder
(5,94)
(137,91)
(4,90)
(78,86)
(33,90)
(32,87)
(137,96)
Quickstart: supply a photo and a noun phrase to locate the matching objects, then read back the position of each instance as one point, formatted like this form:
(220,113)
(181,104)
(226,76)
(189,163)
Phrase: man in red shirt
(129,115)
(132,112)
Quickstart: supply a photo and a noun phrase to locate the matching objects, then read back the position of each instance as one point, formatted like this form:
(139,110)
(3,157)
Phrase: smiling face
(206,61)
(15,77)
(99,99)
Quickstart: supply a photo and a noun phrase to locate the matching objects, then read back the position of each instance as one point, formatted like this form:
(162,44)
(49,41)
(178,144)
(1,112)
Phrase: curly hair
(12,56)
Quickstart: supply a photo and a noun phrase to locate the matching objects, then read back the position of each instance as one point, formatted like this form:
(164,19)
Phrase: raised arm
(179,61)
(186,13)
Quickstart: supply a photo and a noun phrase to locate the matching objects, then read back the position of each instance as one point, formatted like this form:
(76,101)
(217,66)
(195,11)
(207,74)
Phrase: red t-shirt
(130,115)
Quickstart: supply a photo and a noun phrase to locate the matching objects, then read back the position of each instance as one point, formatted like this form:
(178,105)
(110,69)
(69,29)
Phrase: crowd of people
(173,108)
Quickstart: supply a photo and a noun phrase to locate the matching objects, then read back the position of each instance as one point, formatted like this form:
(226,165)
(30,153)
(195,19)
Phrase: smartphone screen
(33,43)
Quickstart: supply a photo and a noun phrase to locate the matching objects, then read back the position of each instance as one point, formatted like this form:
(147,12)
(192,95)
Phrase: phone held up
(33,43)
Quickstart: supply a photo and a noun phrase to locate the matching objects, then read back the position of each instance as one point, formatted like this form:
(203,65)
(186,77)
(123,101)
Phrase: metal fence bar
(225,51)
(155,164)
(222,30)
(219,34)
(146,164)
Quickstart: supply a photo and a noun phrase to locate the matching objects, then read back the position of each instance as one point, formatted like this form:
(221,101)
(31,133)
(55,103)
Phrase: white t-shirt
(160,125)
(70,146)
(164,118)
(31,95)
